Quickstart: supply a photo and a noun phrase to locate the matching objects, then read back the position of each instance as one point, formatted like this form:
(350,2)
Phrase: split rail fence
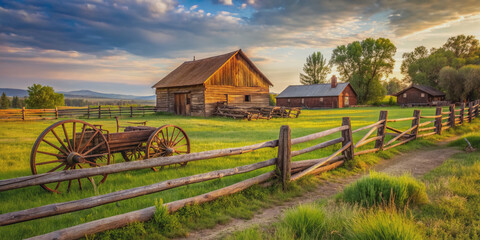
(77,112)
(285,170)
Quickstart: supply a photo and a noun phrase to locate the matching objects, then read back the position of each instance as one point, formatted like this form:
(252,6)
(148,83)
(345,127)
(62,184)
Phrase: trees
(461,84)
(43,97)
(423,67)
(364,64)
(316,69)
(4,102)
(462,46)
(16,102)
(393,86)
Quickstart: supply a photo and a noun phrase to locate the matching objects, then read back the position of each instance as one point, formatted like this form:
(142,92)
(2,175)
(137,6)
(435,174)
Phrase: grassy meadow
(17,138)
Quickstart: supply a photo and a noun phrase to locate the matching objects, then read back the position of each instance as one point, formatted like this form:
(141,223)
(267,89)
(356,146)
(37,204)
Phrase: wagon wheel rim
(53,152)
(168,140)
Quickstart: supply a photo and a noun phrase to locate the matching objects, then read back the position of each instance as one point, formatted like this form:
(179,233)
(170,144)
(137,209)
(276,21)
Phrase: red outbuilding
(330,95)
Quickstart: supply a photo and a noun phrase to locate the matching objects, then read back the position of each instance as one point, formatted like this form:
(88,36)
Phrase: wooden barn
(331,95)
(195,87)
(417,95)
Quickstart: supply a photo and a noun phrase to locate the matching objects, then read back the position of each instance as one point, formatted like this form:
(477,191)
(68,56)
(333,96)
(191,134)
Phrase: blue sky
(126,46)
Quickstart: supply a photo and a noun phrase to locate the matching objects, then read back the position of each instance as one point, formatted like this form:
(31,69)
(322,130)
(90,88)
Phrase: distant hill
(80,94)
(12,92)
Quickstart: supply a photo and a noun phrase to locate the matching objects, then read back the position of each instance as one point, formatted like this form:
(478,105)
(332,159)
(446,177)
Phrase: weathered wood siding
(259,96)
(166,99)
(237,72)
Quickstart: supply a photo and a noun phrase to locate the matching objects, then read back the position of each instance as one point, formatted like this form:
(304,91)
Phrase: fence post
(470,111)
(99,111)
(462,112)
(23,113)
(438,120)
(415,122)
(347,138)
(284,158)
(476,108)
(381,130)
(56,112)
(452,115)
(131,111)
(88,111)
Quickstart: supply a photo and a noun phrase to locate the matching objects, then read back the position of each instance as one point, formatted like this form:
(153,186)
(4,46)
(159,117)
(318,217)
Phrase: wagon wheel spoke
(81,137)
(176,138)
(171,138)
(52,154)
(180,141)
(59,140)
(73,135)
(53,145)
(96,155)
(48,162)
(91,149)
(66,137)
(89,141)
(69,185)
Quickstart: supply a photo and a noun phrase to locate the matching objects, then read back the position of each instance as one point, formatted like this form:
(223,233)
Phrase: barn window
(321,99)
(404,95)
(303,100)
(288,100)
(422,95)
(247,98)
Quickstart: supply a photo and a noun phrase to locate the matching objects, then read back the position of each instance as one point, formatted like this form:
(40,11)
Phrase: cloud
(165,28)
(223,2)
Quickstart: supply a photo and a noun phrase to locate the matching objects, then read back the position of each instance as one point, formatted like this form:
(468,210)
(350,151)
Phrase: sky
(126,46)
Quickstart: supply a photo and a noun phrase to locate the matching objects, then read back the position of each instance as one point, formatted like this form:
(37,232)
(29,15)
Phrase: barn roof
(426,89)
(315,90)
(197,72)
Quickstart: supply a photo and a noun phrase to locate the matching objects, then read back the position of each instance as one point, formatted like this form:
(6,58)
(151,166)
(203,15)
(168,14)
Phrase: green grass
(379,189)
(17,138)
(452,212)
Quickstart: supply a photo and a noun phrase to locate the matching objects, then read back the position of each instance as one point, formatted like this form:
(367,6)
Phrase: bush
(381,190)
(383,225)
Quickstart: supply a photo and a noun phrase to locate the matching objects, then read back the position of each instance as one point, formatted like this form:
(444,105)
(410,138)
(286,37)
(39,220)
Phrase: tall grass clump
(305,222)
(379,189)
(383,225)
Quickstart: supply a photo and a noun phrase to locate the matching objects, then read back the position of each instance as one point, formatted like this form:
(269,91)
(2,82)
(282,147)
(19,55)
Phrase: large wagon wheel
(167,140)
(68,145)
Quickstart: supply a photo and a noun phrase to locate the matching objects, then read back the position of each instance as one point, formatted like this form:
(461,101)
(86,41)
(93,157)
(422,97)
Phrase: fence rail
(81,112)
(285,169)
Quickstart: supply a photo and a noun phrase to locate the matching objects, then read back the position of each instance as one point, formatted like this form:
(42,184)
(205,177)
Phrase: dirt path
(416,162)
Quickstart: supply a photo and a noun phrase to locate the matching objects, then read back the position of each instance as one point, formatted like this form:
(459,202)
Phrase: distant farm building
(195,87)
(331,95)
(418,95)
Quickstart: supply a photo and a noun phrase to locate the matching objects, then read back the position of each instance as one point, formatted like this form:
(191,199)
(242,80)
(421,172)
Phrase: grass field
(17,138)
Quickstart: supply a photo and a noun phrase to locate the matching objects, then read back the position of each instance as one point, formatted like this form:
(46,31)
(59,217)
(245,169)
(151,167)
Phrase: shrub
(380,189)
(167,223)
(383,225)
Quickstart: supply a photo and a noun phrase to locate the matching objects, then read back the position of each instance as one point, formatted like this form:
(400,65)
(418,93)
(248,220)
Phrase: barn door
(182,103)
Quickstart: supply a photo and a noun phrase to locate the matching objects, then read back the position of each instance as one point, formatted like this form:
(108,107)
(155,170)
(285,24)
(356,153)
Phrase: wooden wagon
(75,144)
